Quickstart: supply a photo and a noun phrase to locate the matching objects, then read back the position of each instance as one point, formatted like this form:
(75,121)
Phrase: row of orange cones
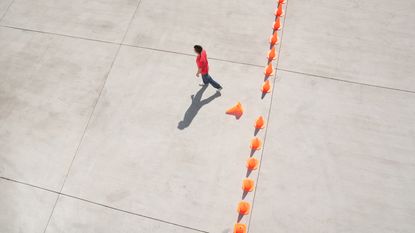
(248,184)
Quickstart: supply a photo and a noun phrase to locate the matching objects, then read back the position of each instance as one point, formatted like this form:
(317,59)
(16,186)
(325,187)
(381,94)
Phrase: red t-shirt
(202,62)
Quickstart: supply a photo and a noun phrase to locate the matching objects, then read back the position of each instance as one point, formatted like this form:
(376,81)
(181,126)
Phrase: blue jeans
(207,79)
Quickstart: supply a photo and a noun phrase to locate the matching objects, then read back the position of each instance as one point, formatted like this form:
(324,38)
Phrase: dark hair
(198,49)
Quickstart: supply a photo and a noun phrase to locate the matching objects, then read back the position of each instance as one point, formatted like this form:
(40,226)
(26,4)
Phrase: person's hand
(197,74)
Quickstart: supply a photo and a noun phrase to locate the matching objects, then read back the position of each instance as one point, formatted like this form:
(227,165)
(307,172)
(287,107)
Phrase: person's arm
(199,70)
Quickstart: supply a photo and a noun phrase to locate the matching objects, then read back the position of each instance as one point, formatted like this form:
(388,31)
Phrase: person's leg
(205,79)
(213,82)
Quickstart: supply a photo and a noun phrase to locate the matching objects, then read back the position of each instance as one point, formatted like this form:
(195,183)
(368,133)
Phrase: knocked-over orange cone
(252,163)
(269,70)
(260,122)
(277,24)
(266,87)
(248,185)
(236,110)
(256,143)
(244,207)
(280,11)
(271,54)
(239,228)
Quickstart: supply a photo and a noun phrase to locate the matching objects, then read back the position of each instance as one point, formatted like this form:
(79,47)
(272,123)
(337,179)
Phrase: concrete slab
(75,216)
(24,208)
(135,157)
(235,30)
(362,41)
(338,158)
(4,5)
(48,88)
(97,19)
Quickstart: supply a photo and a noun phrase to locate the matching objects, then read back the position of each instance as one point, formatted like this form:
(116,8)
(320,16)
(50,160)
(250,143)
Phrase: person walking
(203,68)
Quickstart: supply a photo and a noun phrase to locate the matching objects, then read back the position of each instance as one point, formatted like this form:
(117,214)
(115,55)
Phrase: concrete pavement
(103,127)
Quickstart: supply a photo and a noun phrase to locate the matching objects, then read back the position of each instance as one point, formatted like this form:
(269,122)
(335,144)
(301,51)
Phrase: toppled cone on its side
(269,70)
(266,87)
(273,40)
(244,207)
(239,228)
(252,163)
(236,110)
(280,11)
(248,185)
(256,143)
(260,122)
(277,24)
(271,54)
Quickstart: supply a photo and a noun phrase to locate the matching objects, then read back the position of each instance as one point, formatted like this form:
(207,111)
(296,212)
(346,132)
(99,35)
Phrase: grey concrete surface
(72,215)
(363,41)
(235,30)
(23,208)
(97,19)
(141,155)
(48,87)
(339,158)
(135,157)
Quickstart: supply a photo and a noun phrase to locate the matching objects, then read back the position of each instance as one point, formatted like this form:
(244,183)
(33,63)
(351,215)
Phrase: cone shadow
(248,172)
(256,131)
(263,95)
(240,216)
(252,152)
(244,195)
(195,106)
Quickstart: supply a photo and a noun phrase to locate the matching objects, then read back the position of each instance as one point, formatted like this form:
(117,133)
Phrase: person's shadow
(195,106)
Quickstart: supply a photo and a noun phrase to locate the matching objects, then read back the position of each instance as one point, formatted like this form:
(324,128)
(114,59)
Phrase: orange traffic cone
(280,11)
(269,70)
(239,228)
(256,143)
(273,40)
(252,163)
(266,87)
(248,185)
(271,54)
(259,123)
(236,110)
(244,207)
(281,1)
(277,24)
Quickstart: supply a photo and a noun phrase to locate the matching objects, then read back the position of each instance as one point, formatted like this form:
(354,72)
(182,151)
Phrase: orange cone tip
(269,70)
(252,163)
(248,185)
(259,123)
(266,87)
(277,24)
(256,143)
(279,11)
(273,40)
(244,207)
(239,228)
(271,53)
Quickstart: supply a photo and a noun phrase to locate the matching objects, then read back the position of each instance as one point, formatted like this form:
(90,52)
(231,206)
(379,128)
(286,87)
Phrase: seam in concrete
(268,118)
(347,81)
(7,9)
(211,58)
(128,45)
(102,205)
